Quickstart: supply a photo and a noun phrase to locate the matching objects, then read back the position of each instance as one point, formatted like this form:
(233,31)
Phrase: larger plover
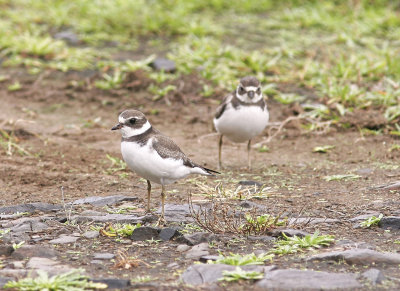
(152,155)
(242,115)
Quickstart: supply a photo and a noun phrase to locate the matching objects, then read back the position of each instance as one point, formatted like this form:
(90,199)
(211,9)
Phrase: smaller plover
(152,155)
(242,115)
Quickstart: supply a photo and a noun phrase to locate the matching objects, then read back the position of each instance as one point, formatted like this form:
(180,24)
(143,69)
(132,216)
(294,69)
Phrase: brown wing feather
(221,108)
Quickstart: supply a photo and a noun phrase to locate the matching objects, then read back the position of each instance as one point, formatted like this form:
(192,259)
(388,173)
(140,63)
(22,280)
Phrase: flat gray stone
(390,222)
(178,212)
(363,217)
(312,220)
(145,233)
(91,234)
(29,251)
(114,218)
(289,232)
(30,208)
(64,239)
(114,283)
(198,251)
(196,238)
(182,248)
(6,250)
(292,279)
(13,273)
(200,274)
(103,201)
(162,64)
(358,256)
(375,276)
(168,233)
(103,256)
(52,267)
(5,280)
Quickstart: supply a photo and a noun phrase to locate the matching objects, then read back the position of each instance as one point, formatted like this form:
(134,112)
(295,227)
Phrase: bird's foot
(161,221)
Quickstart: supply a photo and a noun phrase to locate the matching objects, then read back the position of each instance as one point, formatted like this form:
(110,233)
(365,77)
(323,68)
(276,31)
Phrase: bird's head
(132,122)
(249,90)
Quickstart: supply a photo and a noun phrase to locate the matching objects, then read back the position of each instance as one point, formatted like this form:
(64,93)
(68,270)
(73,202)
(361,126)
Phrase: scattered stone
(29,251)
(29,224)
(162,64)
(168,233)
(103,256)
(4,281)
(18,264)
(390,222)
(312,220)
(91,234)
(364,217)
(198,251)
(13,273)
(64,239)
(197,238)
(68,36)
(205,259)
(357,245)
(96,262)
(103,201)
(6,250)
(375,276)
(30,208)
(264,238)
(113,218)
(359,256)
(52,267)
(289,232)
(182,248)
(391,186)
(200,274)
(291,279)
(178,212)
(113,283)
(145,233)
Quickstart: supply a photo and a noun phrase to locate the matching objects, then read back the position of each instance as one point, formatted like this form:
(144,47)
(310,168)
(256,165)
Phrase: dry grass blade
(127,262)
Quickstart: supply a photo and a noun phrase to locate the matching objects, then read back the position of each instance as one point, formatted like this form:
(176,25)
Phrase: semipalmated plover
(242,115)
(152,155)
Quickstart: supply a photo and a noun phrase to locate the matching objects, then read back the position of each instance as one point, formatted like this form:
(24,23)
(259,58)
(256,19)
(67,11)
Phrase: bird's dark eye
(259,91)
(132,120)
(242,90)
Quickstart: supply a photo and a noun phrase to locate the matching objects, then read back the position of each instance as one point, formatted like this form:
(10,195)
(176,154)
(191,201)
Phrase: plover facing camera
(242,115)
(152,155)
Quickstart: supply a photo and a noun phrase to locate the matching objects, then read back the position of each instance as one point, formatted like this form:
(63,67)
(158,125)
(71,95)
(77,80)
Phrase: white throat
(129,131)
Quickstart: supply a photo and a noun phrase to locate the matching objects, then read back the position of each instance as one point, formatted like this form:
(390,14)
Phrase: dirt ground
(66,129)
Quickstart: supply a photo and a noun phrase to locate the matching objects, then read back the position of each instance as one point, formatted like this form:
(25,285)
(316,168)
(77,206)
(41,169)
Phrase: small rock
(291,279)
(29,251)
(103,256)
(364,217)
(91,234)
(114,218)
(264,238)
(90,212)
(68,36)
(375,276)
(178,212)
(50,266)
(289,232)
(198,251)
(18,264)
(145,233)
(205,259)
(173,265)
(4,281)
(103,201)
(357,245)
(64,239)
(392,186)
(162,64)
(113,283)
(312,220)
(200,274)
(6,250)
(13,273)
(168,233)
(182,248)
(359,256)
(97,262)
(390,222)
(197,238)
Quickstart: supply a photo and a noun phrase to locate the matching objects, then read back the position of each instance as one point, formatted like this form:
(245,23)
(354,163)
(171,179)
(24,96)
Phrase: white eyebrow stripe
(251,88)
(121,119)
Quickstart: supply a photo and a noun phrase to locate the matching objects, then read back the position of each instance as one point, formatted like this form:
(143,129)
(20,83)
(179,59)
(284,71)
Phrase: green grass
(345,52)
(72,280)
(371,221)
(239,260)
(239,274)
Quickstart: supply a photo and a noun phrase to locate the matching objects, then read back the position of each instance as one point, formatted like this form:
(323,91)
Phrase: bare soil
(66,129)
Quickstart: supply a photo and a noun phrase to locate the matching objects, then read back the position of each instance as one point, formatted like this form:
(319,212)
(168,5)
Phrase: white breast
(146,162)
(243,123)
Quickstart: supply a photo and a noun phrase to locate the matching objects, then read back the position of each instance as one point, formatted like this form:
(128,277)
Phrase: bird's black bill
(118,126)
(250,94)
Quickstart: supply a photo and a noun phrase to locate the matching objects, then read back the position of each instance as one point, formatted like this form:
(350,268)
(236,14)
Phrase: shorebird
(242,115)
(152,155)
